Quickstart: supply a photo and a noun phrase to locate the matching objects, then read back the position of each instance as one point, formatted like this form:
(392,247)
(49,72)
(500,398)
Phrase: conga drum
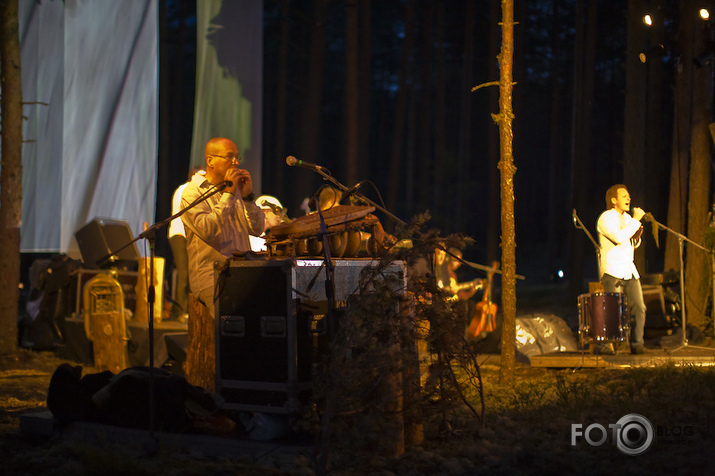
(603,317)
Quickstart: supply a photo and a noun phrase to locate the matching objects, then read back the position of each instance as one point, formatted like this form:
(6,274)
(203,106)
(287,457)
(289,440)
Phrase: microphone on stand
(292,161)
(225,185)
(353,189)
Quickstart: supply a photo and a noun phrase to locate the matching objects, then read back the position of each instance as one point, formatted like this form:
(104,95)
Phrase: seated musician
(446,267)
(276,214)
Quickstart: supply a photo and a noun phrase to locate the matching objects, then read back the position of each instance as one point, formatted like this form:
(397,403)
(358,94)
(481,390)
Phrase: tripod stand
(681,243)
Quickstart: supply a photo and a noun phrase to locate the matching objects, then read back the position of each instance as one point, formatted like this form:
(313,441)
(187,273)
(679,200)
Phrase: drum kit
(603,319)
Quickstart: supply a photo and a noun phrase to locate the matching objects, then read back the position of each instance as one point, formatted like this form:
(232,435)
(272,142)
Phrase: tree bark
(678,190)
(398,134)
(10,174)
(492,173)
(697,268)
(584,59)
(465,123)
(507,169)
(634,139)
(310,114)
(352,91)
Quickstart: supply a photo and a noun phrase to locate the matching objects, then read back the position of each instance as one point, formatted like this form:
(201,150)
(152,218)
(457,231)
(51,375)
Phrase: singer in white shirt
(220,226)
(619,235)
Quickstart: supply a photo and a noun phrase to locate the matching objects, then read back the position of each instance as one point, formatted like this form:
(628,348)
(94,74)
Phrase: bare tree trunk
(678,190)
(656,182)
(424,156)
(309,139)
(507,169)
(352,91)
(281,96)
(554,242)
(584,58)
(398,133)
(465,123)
(365,81)
(635,121)
(10,174)
(492,172)
(697,268)
(440,141)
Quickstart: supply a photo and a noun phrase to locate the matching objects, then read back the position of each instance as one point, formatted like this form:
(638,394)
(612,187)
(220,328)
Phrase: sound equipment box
(270,327)
(103,237)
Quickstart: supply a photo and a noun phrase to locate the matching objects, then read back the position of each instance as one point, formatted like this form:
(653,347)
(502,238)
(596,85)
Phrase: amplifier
(270,326)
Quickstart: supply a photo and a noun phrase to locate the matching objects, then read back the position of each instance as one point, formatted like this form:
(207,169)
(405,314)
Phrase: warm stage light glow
(648,20)
(704,13)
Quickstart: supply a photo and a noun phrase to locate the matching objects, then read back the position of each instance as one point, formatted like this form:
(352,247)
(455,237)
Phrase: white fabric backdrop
(95,146)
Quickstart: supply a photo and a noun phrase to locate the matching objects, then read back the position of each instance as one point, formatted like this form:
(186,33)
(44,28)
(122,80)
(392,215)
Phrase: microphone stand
(150,235)
(681,240)
(329,272)
(578,224)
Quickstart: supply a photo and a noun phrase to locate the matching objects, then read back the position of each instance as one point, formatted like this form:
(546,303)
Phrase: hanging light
(704,14)
(648,19)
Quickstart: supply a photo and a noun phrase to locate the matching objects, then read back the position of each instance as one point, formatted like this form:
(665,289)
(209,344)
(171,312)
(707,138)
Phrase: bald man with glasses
(220,226)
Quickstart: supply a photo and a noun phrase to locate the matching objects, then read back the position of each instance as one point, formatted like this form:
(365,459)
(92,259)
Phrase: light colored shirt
(176,226)
(215,229)
(615,231)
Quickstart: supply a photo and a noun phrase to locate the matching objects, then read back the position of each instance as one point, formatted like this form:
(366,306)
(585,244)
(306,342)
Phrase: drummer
(619,235)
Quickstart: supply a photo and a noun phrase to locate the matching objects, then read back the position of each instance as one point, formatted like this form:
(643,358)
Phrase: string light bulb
(704,14)
(648,20)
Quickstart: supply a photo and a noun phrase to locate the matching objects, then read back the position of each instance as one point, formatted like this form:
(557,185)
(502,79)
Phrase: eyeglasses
(230,158)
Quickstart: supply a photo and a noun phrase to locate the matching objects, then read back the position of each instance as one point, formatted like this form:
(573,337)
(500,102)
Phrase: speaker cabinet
(270,327)
(103,237)
(263,341)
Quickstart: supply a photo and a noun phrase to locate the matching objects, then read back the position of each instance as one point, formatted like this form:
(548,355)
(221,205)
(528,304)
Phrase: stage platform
(689,355)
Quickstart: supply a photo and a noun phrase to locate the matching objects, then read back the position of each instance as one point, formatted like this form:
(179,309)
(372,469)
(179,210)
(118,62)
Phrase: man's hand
(638,213)
(233,176)
(637,235)
(245,184)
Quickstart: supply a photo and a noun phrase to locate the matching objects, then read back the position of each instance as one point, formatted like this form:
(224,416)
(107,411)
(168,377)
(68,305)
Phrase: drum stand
(681,240)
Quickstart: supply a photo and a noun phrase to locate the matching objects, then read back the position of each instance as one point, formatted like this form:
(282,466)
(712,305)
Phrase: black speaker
(103,237)
(263,339)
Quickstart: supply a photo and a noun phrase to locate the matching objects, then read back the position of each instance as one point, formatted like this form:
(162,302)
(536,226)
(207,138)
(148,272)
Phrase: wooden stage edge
(689,355)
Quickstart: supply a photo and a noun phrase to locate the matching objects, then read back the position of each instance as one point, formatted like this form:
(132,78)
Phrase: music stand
(681,240)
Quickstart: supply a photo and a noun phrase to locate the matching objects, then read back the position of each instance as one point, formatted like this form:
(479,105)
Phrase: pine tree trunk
(398,134)
(10,174)
(697,268)
(352,92)
(507,169)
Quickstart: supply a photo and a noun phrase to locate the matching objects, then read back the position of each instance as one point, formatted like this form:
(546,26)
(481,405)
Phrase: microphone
(353,189)
(292,161)
(224,185)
